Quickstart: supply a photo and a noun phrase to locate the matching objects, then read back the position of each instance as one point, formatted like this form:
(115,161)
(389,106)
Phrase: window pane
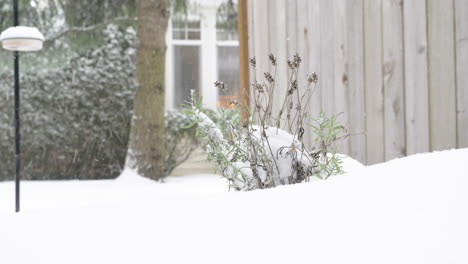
(193,24)
(178,34)
(228,73)
(186,27)
(193,35)
(186,72)
(178,22)
(226,20)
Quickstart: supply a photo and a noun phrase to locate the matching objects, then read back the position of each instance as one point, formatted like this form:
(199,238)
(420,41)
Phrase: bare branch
(89,28)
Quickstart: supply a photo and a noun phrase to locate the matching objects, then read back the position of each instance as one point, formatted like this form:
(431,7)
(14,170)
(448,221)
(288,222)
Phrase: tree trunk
(146,152)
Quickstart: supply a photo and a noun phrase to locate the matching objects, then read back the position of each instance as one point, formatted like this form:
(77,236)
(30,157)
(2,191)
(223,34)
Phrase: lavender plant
(267,149)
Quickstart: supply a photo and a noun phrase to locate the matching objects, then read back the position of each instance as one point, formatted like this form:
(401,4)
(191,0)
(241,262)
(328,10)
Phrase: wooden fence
(397,69)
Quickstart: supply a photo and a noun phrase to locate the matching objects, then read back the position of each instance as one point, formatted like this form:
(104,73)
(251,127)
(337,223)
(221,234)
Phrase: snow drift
(410,210)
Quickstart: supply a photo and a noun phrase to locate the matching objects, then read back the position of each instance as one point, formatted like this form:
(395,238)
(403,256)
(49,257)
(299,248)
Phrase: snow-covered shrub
(268,149)
(74,121)
(180,139)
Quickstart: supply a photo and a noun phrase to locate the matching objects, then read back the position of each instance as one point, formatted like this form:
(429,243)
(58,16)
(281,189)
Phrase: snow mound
(349,164)
(406,211)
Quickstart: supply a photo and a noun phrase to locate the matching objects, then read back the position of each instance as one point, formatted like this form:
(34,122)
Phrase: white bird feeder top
(22,38)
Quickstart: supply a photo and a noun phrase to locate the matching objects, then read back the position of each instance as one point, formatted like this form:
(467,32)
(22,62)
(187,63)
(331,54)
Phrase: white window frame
(208,44)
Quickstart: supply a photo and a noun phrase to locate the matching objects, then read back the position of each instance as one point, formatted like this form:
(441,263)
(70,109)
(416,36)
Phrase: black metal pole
(17,117)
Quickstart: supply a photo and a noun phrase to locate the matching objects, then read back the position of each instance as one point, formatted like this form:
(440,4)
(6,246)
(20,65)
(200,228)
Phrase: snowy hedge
(75,121)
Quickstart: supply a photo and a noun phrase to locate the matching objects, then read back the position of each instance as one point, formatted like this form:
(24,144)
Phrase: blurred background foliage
(70,27)
(226,19)
(76,119)
(77,93)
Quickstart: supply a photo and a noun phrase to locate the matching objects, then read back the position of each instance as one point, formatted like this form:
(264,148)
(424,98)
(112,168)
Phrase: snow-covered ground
(411,210)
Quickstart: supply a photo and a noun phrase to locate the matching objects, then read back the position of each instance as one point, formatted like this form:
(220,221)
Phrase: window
(226,21)
(186,36)
(228,72)
(228,52)
(202,48)
(185,27)
(186,72)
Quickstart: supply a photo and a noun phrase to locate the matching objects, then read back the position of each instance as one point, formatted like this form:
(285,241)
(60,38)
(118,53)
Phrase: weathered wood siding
(397,68)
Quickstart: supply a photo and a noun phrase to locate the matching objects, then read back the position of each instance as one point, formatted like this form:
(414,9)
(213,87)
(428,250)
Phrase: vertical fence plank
(416,79)
(327,41)
(441,75)
(302,38)
(303,47)
(461,32)
(375,147)
(341,76)
(315,105)
(303,44)
(394,107)
(250,25)
(356,97)
(278,24)
(291,25)
(261,37)
(289,18)
(274,30)
(251,36)
(291,29)
(243,55)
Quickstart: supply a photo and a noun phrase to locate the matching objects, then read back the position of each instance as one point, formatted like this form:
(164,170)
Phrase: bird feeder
(21,38)
(16,39)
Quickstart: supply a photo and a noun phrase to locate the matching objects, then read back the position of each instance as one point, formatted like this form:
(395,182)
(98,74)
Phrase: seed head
(294,85)
(272,59)
(269,78)
(258,87)
(221,86)
(234,102)
(253,62)
(295,62)
(312,77)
